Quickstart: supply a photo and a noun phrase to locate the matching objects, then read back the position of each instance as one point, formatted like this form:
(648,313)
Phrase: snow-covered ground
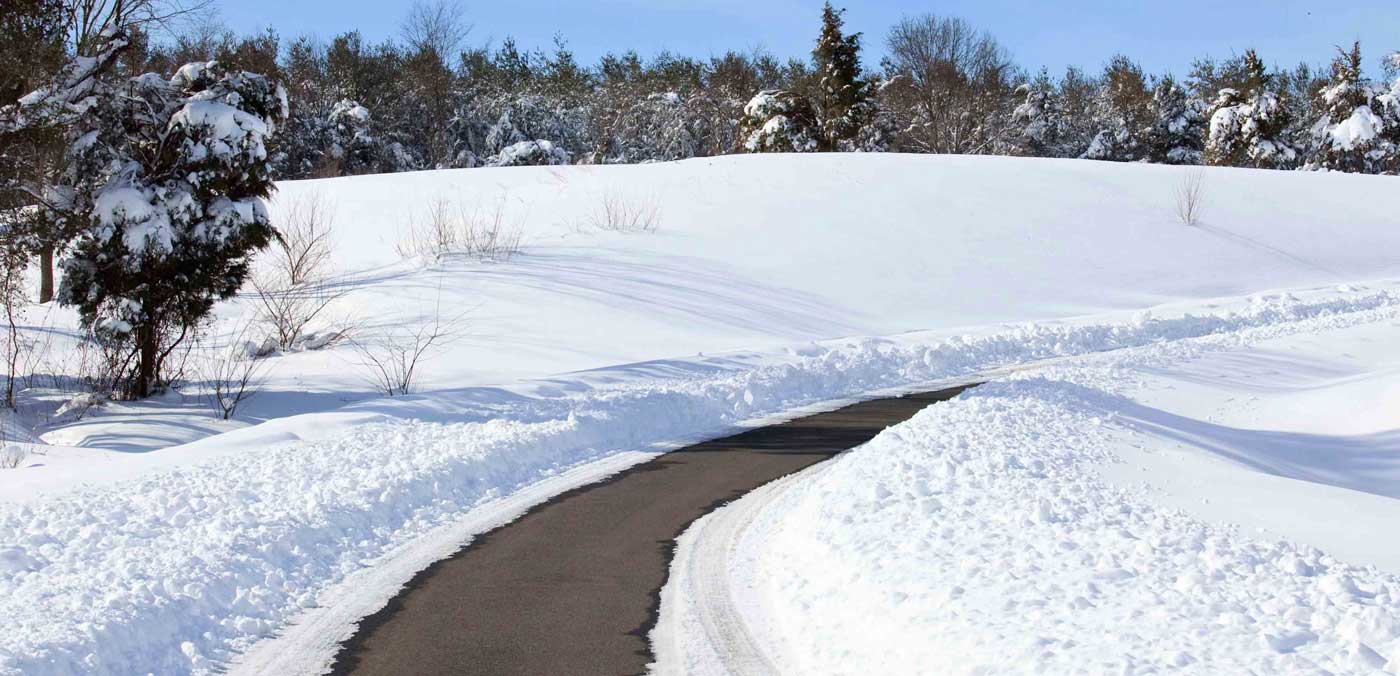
(1224,504)
(153,536)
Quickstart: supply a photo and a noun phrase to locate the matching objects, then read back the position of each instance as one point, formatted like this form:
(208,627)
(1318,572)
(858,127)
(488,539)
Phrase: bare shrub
(450,229)
(1190,196)
(288,310)
(391,360)
(302,250)
(12,303)
(617,213)
(232,376)
(294,288)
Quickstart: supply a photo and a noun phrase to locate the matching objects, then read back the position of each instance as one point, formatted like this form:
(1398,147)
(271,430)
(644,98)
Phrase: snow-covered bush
(1248,128)
(779,121)
(164,188)
(529,154)
(12,456)
(662,126)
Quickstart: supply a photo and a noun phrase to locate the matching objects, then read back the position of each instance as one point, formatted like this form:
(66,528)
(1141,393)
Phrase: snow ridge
(977,538)
(178,572)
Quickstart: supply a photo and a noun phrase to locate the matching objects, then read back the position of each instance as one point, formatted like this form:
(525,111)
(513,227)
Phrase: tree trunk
(46,274)
(146,367)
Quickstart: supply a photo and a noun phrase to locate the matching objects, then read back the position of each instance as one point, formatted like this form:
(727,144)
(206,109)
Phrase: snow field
(979,537)
(176,571)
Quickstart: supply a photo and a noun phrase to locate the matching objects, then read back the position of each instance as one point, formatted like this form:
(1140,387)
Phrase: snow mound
(978,537)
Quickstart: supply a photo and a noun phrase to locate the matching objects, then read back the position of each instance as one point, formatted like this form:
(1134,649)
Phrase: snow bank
(176,571)
(978,537)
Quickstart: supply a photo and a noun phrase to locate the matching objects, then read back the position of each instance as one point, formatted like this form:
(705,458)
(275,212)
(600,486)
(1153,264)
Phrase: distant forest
(429,99)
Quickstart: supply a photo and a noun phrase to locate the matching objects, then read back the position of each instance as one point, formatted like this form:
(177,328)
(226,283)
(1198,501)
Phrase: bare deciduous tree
(440,26)
(88,19)
(950,85)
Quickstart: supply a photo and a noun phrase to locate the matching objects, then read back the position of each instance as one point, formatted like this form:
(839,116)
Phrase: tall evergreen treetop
(843,97)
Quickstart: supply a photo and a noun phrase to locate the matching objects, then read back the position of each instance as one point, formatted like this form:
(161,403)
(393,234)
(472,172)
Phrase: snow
(1057,521)
(747,302)
(1358,130)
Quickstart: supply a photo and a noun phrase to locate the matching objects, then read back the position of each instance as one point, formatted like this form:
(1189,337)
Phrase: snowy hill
(763,252)
(647,305)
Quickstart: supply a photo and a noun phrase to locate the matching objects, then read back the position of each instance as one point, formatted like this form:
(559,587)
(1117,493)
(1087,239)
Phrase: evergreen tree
(1179,128)
(1121,113)
(32,36)
(779,121)
(1249,126)
(1036,121)
(1389,101)
(164,189)
(350,144)
(1348,136)
(843,98)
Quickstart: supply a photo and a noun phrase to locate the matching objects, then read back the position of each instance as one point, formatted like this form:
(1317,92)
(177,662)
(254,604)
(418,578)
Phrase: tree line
(429,100)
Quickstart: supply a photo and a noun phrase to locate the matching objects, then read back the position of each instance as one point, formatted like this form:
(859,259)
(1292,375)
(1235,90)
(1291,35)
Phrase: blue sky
(1160,34)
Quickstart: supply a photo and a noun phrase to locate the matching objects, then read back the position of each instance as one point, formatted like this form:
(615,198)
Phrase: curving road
(572,587)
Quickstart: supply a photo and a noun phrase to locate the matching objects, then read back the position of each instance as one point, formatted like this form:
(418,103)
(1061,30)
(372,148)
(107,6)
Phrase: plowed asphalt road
(573,586)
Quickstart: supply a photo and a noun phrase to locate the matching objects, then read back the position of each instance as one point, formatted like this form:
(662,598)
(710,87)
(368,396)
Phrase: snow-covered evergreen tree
(779,121)
(661,126)
(350,144)
(1249,126)
(529,153)
(1036,123)
(1179,125)
(1350,134)
(1121,114)
(164,188)
(1388,101)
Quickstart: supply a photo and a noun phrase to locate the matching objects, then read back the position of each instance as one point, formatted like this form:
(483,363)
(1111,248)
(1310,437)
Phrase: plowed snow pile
(1061,522)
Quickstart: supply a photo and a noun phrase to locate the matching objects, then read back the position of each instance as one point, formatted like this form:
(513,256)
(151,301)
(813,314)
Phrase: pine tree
(779,121)
(1348,136)
(1249,126)
(350,144)
(1389,102)
(844,103)
(1179,128)
(1036,121)
(164,188)
(1121,113)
